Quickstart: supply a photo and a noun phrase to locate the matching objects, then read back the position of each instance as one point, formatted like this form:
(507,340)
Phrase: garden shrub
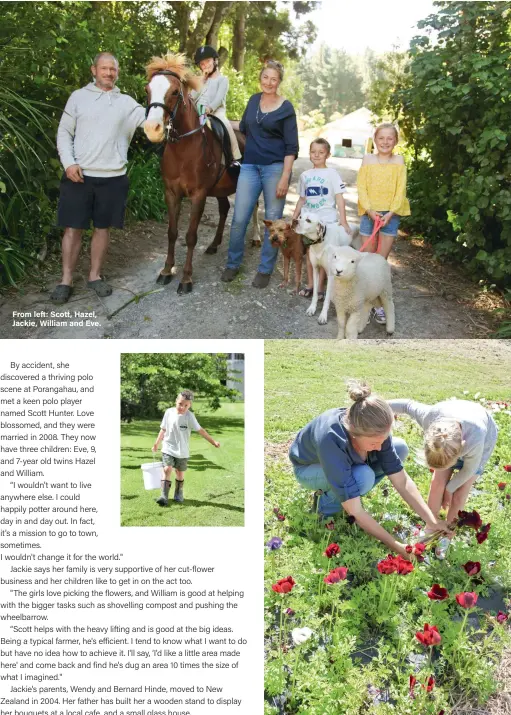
(453,102)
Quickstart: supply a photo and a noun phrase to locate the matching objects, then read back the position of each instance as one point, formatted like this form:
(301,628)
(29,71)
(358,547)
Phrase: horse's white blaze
(153,126)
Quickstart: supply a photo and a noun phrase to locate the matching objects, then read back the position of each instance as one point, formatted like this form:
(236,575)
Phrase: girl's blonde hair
(369,415)
(386,125)
(443,443)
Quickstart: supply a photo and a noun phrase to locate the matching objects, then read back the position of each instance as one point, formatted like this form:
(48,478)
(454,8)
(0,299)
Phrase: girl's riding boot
(178,491)
(165,488)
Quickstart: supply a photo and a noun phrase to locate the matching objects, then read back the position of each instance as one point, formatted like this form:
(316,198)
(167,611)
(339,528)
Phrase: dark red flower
(430,636)
(502,617)
(351,519)
(290,612)
(502,486)
(413,680)
(438,593)
(336,575)
(418,549)
(284,585)
(467,599)
(331,550)
(276,510)
(441,712)
(408,549)
(472,567)
(507,467)
(387,565)
(430,684)
(403,566)
(482,534)
(508,496)
(279,514)
(330,525)
(470,519)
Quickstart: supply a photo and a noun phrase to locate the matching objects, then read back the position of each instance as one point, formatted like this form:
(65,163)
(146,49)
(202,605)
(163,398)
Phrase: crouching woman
(346,452)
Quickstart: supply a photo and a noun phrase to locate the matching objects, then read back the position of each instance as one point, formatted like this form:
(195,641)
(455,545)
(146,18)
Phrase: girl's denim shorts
(367,224)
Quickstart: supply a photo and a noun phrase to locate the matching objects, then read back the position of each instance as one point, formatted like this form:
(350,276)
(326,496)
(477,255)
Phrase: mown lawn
(214,480)
(363,649)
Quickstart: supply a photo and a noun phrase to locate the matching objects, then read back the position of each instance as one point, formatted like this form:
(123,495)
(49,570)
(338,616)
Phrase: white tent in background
(349,136)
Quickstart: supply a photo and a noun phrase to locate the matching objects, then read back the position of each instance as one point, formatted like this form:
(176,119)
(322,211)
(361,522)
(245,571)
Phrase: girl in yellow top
(381,187)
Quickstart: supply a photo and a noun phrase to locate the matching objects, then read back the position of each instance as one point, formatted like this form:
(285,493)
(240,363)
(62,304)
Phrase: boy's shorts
(367,225)
(179,463)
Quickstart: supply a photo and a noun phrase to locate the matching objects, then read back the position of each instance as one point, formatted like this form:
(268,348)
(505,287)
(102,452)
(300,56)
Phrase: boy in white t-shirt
(175,429)
(321,190)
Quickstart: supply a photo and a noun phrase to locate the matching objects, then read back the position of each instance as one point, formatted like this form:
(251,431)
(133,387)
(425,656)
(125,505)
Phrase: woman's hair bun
(357,390)
(438,441)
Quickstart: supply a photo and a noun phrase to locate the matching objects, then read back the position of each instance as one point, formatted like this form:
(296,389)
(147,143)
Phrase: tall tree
(222,8)
(238,36)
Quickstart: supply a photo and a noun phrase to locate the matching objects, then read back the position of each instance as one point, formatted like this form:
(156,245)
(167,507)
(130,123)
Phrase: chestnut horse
(192,159)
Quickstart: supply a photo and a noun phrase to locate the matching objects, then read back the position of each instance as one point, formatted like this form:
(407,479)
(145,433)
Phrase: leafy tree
(150,382)
(453,101)
(332,83)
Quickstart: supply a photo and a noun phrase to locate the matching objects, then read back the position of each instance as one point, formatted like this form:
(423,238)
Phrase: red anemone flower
(482,534)
(507,467)
(502,617)
(284,585)
(387,565)
(403,566)
(438,593)
(331,550)
(336,575)
(430,684)
(472,567)
(408,550)
(502,486)
(467,599)
(429,637)
(470,519)
(413,680)
(508,496)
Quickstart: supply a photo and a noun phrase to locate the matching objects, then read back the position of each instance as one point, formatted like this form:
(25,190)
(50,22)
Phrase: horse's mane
(177,63)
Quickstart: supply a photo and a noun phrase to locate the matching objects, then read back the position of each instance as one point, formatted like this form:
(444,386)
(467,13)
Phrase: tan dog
(283,236)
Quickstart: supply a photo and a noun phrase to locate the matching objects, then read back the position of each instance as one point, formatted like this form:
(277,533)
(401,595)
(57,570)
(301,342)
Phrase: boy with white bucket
(175,430)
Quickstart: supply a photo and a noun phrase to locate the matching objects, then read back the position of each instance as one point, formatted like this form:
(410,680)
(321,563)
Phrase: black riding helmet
(204,53)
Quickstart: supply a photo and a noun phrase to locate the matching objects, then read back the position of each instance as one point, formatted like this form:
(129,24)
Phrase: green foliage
(452,100)
(146,197)
(332,83)
(150,382)
(314,120)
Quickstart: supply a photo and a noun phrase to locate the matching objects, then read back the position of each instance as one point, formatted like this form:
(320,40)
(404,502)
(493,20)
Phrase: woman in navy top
(269,123)
(345,453)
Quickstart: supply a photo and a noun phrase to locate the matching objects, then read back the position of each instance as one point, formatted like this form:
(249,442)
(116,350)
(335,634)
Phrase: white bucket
(153,474)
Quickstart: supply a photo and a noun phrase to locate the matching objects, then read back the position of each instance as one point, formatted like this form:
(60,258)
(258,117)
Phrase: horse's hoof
(164,279)
(184,288)
(211,250)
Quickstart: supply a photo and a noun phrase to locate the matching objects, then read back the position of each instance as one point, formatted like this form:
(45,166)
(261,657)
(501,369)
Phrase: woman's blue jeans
(253,179)
(313,477)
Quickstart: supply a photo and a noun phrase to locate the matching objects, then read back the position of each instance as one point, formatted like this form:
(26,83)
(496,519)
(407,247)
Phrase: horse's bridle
(171,134)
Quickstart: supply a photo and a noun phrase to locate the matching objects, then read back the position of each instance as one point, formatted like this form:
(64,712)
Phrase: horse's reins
(378,222)
(172,136)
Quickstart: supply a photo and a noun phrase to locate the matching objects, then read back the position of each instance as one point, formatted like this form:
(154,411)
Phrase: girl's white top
(213,92)
(478,430)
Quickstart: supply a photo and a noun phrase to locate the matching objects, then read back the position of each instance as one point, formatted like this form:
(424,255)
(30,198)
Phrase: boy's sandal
(306,292)
(61,294)
(100,287)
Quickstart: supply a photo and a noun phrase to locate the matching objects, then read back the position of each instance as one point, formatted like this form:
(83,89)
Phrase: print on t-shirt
(319,188)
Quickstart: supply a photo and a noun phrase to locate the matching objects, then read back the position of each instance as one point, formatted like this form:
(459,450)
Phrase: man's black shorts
(102,200)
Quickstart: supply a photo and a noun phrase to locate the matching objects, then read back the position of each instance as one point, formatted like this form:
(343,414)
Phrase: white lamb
(323,240)
(361,280)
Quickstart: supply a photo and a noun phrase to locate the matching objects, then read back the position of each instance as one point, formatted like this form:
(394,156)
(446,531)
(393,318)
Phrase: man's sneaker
(441,548)
(379,316)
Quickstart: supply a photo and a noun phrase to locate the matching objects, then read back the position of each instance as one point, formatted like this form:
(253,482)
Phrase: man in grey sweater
(94,134)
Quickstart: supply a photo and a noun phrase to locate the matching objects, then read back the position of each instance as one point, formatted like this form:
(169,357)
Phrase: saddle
(220,133)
